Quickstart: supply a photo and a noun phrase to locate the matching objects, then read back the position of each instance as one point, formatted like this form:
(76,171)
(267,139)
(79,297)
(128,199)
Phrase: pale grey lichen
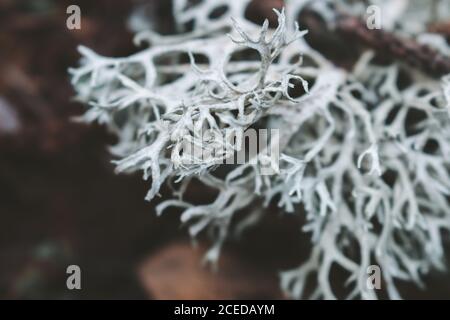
(366,159)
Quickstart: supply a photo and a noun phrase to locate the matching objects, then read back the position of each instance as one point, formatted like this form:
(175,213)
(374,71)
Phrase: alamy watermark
(73,281)
(373,17)
(230,146)
(73,21)
(374,277)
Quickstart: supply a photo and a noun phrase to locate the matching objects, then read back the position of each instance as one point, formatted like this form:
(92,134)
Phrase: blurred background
(61,203)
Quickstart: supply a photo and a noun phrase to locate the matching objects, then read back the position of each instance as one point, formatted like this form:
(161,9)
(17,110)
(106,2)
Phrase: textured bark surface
(394,47)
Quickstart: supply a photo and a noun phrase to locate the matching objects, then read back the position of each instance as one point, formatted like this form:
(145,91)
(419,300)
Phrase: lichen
(365,159)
